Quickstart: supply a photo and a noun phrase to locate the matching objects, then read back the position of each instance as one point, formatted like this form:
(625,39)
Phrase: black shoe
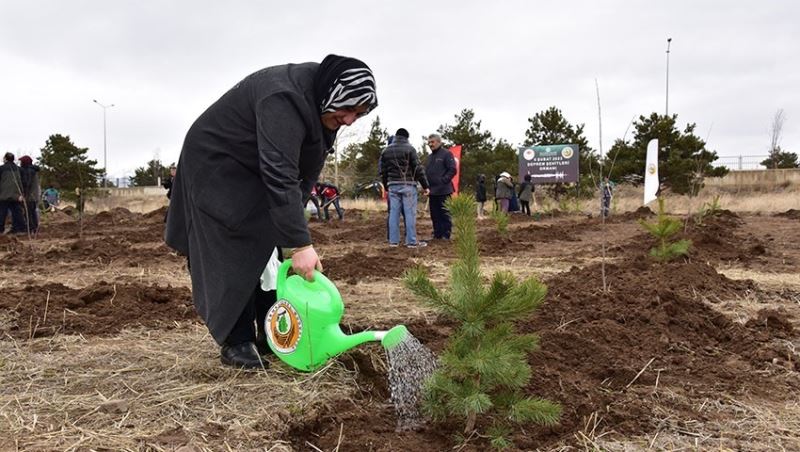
(262,346)
(244,355)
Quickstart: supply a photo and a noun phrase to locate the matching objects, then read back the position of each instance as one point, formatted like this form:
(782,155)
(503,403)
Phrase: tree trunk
(470,423)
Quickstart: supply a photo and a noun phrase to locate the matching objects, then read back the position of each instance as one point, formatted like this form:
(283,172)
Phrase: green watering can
(303,325)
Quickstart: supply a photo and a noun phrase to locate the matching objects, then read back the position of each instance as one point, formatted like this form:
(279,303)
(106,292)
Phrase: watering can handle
(283,271)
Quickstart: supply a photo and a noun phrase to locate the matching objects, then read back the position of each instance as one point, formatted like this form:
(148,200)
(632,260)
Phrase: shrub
(501,221)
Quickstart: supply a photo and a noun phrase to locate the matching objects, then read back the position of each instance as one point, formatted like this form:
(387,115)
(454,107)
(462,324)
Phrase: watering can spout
(342,342)
(388,339)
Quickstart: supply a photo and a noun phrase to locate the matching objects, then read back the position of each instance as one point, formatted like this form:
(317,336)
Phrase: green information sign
(549,164)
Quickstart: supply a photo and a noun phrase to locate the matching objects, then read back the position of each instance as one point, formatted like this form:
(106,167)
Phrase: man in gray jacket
(11,195)
(401,171)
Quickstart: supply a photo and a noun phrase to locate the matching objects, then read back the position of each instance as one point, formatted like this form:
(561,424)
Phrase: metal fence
(741,162)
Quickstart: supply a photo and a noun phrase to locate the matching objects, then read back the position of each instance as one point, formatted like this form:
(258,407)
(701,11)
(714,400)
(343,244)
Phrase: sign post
(549,164)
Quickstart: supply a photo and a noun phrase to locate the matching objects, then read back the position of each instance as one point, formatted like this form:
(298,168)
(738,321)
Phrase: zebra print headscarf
(343,82)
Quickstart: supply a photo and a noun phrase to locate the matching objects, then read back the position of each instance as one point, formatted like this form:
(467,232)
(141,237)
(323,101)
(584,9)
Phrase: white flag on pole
(651,172)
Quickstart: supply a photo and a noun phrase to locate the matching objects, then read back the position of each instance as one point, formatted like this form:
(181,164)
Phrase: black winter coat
(10,182)
(400,164)
(440,169)
(246,165)
(480,192)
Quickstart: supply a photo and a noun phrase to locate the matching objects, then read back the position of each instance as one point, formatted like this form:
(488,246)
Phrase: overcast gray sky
(732,65)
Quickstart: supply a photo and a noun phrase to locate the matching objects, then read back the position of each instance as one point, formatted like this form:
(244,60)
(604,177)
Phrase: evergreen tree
(683,160)
(781,159)
(480,152)
(551,127)
(663,229)
(484,369)
(67,167)
(147,176)
(362,158)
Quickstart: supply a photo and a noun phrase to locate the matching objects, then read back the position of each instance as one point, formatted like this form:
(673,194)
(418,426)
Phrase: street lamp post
(105,142)
(666,112)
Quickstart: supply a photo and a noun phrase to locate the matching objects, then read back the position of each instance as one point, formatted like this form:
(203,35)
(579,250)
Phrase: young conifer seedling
(663,229)
(483,371)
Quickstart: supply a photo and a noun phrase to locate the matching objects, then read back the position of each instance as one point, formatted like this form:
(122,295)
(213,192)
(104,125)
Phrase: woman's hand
(304,261)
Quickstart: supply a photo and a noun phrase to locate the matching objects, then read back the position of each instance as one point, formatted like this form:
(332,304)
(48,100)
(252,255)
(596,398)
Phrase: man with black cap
(400,172)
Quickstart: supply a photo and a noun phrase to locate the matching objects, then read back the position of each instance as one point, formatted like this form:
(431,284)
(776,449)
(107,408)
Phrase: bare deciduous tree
(776,129)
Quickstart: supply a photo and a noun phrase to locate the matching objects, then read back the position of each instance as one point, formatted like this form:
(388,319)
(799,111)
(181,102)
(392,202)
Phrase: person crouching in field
(51,198)
(247,164)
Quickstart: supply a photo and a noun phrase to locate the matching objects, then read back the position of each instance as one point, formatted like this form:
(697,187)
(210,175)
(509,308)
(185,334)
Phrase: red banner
(456,151)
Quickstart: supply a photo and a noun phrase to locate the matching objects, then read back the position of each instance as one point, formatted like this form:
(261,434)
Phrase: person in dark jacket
(167,184)
(11,195)
(525,194)
(440,170)
(31,191)
(480,195)
(400,173)
(247,164)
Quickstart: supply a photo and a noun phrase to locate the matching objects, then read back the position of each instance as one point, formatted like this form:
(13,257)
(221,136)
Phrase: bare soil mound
(100,309)
(117,215)
(794,214)
(599,352)
(717,239)
(642,212)
(356,266)
(120,248)
(157,215)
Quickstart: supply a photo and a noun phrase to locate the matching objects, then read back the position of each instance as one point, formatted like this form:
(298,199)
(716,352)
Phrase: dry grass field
(100,348)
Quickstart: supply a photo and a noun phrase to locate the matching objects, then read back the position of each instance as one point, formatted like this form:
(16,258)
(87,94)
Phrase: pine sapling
(663,229)
(501,221)
(482,373)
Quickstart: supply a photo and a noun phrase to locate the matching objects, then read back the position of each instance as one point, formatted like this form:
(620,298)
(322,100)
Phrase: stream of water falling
(410,364)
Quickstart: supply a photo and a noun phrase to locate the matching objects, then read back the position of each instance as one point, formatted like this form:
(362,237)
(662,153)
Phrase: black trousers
(525,207)
(336,205)
(32,211)
(17,217)
(251,321)
(440,217)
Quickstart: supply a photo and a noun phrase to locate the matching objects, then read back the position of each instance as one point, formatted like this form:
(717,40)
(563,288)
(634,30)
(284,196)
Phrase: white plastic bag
(269,279)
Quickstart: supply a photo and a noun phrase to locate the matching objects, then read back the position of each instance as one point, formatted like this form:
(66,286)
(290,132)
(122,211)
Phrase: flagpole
(666,109)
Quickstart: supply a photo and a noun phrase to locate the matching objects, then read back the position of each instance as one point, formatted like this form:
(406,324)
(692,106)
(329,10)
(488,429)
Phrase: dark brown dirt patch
(100,309)
(794,214)
(774,321)
(356,266)
(593,346)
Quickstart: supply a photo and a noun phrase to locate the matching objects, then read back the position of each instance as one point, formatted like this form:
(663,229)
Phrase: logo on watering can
(284,327)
